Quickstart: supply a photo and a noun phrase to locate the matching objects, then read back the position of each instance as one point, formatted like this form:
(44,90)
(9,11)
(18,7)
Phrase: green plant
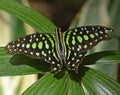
(88,80)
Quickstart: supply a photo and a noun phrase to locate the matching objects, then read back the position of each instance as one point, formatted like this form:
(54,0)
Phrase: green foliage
(96,12)
(88,80)
(93,81)
(28,15)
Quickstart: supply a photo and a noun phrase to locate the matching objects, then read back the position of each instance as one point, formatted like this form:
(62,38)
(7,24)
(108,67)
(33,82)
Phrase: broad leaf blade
(32,17)
(101,83)
(17,28)
(114,15)
(74,84)
(108,56)
(48,85)
(20,65)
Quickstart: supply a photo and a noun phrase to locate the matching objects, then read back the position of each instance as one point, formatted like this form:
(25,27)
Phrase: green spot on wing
(79,46)
(27,45)
(85,46)
(18,45)
(37,54)
(75,30)
(73,58)
(46,45)
(40,35)
(50,39)
(80,39)
(81,32)
(92,36)
(73,40)
(55,56)
(74,33)
(34,45)
(85,37)
(67,38)
(43,53)
(23,45)
(40,45)
(96,34)
(69,52)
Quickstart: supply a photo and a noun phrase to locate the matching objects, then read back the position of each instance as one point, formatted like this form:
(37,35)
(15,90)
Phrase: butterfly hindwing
(74,59)
(39,46)
(79,40)
(68,48)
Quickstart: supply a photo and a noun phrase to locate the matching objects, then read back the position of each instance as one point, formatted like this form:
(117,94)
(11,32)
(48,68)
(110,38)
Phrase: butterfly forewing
(79,40)
(39,46)
(69,47)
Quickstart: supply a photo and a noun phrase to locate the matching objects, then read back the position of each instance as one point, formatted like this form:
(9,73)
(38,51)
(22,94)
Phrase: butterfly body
(61,48)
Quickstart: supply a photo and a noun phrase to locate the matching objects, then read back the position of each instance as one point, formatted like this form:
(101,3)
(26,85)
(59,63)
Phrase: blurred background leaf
(114,12)
(35,19)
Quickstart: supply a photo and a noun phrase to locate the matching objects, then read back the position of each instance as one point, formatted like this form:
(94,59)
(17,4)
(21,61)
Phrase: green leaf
(104,57)
(48,85)
(99,84)
(28,15)
(20,65)
(91,14)
(54,85)
(75,84)
(17,28)
(114,14)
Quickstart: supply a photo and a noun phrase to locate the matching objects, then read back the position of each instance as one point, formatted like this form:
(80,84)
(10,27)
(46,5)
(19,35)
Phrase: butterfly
(60,49)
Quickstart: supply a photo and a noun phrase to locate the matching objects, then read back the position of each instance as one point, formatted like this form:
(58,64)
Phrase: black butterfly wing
(39,46)
(79,40)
